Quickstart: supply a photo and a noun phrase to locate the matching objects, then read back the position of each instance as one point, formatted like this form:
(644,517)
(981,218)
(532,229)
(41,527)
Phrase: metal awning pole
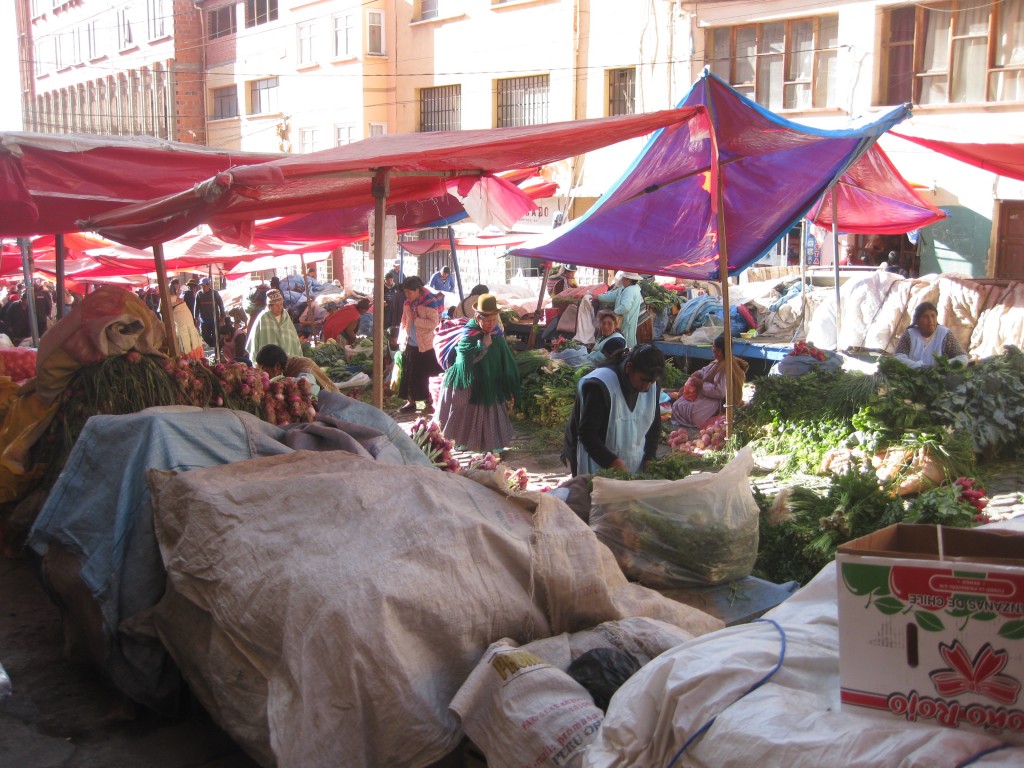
(381,183)
(216,324)
(30,288)
(540,304)
(165,299)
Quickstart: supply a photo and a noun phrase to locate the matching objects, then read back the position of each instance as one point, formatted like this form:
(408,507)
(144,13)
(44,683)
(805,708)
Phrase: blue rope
(977,756)
(782,657)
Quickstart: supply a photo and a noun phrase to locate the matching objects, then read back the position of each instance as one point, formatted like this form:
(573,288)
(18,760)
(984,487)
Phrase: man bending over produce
(342,321)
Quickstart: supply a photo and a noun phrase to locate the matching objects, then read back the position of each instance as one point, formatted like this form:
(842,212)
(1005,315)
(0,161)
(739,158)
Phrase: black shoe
(407,408)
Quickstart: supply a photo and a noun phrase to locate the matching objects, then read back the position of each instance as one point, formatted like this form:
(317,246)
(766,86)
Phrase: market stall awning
(266,263)
(662,215)
(1002,154)
(874,199)
(325,230)
(420,166)
(49,182)
(419,247)
(194,250)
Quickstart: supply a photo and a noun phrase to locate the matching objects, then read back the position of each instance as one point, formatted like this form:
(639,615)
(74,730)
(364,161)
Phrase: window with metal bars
(522,100)
(441,108)
(622,91)
(781,64)
(966,51)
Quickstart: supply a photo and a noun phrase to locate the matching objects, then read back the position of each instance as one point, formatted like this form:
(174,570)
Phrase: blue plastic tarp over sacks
(661,217)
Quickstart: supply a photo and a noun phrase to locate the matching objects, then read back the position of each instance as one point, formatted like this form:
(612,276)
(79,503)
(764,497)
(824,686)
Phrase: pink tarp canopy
(874,199)
(421,166)
(191,251)
(1000,154)
(49,182)
(663,215)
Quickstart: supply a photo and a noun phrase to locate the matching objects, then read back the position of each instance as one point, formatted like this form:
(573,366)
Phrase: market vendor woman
(925,340)
(484,378)
(615,422)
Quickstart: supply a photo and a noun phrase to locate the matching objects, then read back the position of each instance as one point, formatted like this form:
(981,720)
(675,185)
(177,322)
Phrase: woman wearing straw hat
(472,410)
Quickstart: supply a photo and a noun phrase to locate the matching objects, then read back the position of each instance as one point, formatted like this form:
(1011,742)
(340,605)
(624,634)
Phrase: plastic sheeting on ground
(337,628)
(663,715)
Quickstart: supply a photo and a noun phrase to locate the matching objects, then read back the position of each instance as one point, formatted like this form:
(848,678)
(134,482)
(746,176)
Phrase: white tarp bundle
(326,608)
(767,693)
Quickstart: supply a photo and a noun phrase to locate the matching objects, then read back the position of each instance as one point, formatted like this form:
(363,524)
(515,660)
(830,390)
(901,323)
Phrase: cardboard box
(932,640)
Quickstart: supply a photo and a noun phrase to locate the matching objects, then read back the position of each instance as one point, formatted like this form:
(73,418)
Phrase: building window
(157,13)
(307,43)
(263,96)
(344,36)
(375,33)
(225,102)
(90,49)
(260,12)
(377,129)
(428,10)
(522,101)
(441,108)
(125,38)
(967,51)
(344,134)
(621,91)
(780,65)
(309,139)
(220,22)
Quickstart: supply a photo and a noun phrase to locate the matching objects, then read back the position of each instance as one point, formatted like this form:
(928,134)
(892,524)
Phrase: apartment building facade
(305,75)
(115,68)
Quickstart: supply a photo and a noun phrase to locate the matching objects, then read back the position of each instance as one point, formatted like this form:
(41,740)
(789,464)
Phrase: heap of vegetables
(711,437)
(331,357)
(801,347)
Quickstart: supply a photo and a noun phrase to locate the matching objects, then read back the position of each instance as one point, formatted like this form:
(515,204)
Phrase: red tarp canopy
(325,230)
(874,199)
(419,247)
(342,177)
(1000,154)
(48,182)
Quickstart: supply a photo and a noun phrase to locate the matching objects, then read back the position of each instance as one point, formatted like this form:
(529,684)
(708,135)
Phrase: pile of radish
(710,438)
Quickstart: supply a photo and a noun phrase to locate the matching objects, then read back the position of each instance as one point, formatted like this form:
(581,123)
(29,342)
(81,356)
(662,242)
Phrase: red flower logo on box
(980,676)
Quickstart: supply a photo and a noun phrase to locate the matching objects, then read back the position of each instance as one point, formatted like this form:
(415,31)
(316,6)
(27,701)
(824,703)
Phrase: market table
(744,349)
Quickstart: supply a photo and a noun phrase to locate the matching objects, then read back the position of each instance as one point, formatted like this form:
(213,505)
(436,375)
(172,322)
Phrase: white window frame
(309,140)
(375,28)
(344,134)
(156,19)
(125,37)
(344,28)
(272,94)
(214,101)
(376,128)
(305,50)
(228,11)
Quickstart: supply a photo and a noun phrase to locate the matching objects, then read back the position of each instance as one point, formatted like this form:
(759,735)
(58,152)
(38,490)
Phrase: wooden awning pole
(380,195)
(165,299)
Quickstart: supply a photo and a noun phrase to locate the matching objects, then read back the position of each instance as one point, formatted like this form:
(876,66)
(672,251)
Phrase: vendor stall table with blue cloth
(744,349)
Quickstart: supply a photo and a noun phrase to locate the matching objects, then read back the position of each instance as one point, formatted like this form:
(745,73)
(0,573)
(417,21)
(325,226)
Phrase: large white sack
(793,719)
(326,608)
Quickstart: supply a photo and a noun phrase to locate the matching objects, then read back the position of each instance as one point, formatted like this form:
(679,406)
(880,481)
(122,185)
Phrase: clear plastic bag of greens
(698,530)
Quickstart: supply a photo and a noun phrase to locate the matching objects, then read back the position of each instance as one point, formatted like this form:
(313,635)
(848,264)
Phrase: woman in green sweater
(473,407)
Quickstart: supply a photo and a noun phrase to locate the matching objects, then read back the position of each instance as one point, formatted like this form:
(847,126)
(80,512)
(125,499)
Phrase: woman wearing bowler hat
(479,384)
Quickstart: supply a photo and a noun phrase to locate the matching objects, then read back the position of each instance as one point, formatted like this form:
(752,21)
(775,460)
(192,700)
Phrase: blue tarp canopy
(662,216)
